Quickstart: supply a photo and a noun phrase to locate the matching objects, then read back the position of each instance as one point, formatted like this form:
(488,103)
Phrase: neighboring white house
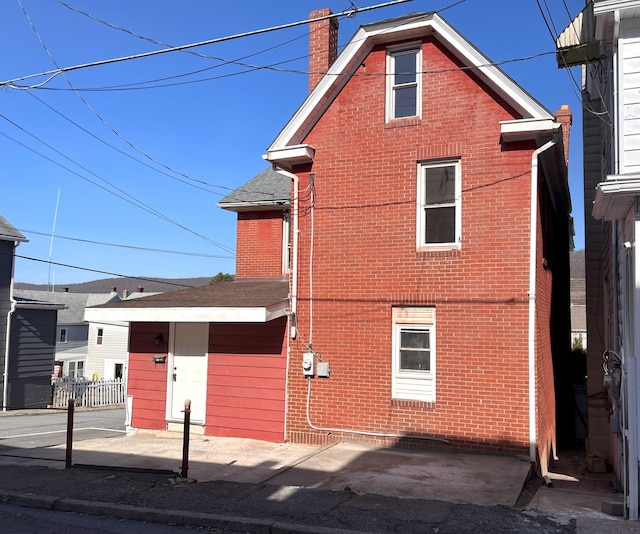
(605,38)
(83,349)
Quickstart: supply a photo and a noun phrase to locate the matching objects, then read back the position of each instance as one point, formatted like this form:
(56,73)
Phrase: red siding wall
(247,380)
(365,261)
(259,245)
(147,382)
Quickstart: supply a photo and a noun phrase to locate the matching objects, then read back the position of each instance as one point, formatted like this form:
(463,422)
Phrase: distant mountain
(120,284)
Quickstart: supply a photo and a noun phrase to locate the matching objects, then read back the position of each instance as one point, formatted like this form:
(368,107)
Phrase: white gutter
(294,259)
(12,308)
(532,298)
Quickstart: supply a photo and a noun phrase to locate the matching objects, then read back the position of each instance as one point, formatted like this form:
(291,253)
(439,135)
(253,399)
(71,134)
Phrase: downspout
(12,309)
(292,319)
(294,258)
(532,297)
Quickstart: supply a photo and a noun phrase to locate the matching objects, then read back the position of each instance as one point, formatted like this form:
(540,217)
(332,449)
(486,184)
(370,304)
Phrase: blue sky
(174,133)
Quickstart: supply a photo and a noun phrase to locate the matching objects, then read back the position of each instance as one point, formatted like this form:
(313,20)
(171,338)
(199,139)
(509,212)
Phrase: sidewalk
(246,485)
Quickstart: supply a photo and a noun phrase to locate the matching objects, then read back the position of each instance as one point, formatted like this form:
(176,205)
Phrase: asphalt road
(20,520)
(49,428)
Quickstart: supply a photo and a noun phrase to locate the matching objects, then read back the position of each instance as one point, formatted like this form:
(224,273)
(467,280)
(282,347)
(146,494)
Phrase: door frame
(170,367)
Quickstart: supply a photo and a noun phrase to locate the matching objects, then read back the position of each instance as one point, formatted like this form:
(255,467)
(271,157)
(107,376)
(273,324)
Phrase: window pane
(414,361)
(440,184)
(414,339)
(405,102)
(440,225)
(405,68)
(414,350)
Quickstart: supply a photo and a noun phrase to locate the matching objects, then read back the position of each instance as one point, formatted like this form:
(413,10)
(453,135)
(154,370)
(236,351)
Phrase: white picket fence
(88,393)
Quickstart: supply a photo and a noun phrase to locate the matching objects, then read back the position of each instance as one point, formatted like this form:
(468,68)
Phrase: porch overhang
(615,196)
(188,314)
(247,301)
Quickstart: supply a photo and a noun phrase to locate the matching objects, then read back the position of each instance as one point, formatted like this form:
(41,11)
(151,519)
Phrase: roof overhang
(616,196)
(237,207)
(289,156)
(286,149)
(256,314)
(525,129)
(577,44)
(15,238)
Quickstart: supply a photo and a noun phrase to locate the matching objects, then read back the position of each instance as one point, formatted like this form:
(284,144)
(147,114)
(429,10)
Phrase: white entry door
(188,373)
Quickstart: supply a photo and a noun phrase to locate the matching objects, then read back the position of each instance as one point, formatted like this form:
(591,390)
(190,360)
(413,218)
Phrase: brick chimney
(564,117)
(323,44)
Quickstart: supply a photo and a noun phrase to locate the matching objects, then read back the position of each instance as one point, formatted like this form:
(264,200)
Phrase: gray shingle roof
(237,294)
(75,303)
(267,189)
(8,232)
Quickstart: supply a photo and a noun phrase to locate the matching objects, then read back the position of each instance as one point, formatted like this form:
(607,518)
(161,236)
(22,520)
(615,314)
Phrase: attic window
(99,337)
(403,83)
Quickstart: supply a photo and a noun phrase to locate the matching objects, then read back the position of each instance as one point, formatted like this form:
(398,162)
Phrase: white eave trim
(359,47)
(601,7)
(188,315)
(615,196)
(521,129)
(291,155)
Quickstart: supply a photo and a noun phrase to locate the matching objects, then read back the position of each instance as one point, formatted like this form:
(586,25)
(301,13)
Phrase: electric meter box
(308,361)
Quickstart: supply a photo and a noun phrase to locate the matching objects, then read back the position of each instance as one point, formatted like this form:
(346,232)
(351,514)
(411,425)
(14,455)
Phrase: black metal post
(185,441)
(70,410)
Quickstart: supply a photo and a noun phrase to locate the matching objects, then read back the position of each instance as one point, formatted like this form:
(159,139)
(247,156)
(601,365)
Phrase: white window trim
(422,318)
(60,340)
(390,93)
(421,204)
(286,243)
(76,364)
(100,336)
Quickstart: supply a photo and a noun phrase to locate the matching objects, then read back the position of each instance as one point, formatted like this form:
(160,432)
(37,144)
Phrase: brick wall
(365,261)
(259,245)
(147,381)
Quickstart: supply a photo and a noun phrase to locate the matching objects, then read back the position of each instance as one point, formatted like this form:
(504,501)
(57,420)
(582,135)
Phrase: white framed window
(404,82)
(99,336)
(75,369)
(414,354)
(63,335)
(439,218)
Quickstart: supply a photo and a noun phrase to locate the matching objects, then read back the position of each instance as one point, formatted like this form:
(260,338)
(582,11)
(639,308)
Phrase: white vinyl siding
(630,80)
(414,354)
(114,347)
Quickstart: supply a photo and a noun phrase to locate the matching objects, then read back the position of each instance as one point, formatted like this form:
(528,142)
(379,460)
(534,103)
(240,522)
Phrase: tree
(222,277)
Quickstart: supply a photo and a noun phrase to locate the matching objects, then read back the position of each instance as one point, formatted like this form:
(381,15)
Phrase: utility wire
(131,200)
(99,271)
(92,110)
(189,180)
(237,61)
(131,247)
(55,72)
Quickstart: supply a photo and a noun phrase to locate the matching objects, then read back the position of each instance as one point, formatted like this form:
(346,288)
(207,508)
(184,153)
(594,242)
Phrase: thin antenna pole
(53,230)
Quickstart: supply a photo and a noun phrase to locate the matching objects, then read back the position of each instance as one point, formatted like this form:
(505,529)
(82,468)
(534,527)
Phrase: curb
(173,517)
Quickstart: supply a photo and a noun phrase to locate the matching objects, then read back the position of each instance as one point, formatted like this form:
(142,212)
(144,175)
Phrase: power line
(98,271)
(130,200)
(55,72)
(117,245)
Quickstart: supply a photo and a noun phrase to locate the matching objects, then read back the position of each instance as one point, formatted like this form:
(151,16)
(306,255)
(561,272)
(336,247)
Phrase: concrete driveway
(451,477)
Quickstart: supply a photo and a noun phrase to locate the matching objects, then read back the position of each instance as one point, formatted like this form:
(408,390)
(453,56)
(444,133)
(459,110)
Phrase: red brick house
(425,292)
